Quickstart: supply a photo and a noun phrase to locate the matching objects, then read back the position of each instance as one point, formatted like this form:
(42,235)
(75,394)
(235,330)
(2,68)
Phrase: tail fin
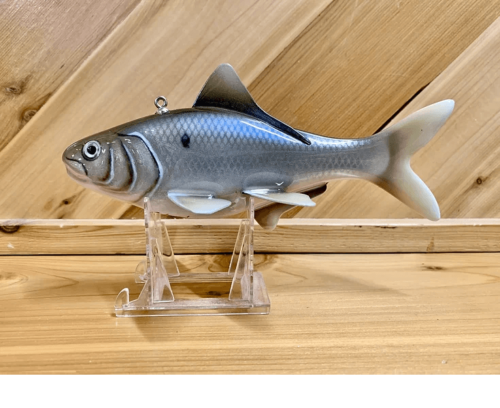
(404,139)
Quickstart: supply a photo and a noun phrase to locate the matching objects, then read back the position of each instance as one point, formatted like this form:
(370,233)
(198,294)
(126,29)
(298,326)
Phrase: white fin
(199,204)
(295,199)
(403,140)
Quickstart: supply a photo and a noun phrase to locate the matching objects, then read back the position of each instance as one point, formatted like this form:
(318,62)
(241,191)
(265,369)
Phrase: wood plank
(165,48)
(43,43)
(413,314)
(31,237)
(460,165)
(359,62)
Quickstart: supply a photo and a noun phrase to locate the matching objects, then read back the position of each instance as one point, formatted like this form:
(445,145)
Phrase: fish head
(114,164)
(90,160)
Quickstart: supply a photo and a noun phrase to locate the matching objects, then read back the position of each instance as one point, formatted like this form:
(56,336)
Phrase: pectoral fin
(269,216)
(294,199)
(199,204)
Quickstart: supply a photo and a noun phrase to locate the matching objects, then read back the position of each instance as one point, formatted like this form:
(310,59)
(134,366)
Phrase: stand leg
(157,265)
(238,246)
(242,259)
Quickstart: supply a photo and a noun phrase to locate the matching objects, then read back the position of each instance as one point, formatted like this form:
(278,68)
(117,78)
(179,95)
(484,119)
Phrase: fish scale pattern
(229,146)
(238,131)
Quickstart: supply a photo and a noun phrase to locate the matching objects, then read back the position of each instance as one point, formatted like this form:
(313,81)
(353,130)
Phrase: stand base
(260,304)
(159,272)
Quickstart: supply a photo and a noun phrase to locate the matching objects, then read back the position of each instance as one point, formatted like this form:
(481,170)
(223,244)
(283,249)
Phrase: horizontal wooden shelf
(107,237)
(351,313)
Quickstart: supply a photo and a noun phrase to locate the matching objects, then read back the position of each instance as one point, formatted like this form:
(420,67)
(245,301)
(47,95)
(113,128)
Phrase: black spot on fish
(185,140)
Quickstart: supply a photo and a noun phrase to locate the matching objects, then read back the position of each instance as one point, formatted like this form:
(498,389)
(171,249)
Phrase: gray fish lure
(205,160)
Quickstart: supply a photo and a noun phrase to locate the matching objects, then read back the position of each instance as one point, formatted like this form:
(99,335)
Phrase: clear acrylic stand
(159,272)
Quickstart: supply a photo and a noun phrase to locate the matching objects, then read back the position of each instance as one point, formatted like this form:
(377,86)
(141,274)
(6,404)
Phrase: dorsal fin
(224,89)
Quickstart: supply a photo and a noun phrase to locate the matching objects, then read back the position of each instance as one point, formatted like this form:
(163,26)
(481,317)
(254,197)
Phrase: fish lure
(205,160)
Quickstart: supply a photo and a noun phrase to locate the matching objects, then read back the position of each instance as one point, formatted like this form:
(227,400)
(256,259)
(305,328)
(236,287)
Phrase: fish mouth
(76,169)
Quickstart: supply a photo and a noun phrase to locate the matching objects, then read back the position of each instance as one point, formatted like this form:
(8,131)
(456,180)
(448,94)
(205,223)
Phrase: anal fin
(199,204)
(269,216)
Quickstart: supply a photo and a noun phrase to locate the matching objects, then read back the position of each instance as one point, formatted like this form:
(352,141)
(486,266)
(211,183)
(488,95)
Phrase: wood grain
(42,46)
(30,237)
(415,313)
(360,61)
(161,48)
(460,164)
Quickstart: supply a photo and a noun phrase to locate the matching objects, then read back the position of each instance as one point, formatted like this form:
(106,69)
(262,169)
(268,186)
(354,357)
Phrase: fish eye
(91,150)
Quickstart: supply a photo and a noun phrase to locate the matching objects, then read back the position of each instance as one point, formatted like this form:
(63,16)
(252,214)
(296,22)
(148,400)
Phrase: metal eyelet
(161,107)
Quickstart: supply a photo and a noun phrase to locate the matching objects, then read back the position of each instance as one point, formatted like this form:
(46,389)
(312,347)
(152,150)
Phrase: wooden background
(341,68)
(404,296)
